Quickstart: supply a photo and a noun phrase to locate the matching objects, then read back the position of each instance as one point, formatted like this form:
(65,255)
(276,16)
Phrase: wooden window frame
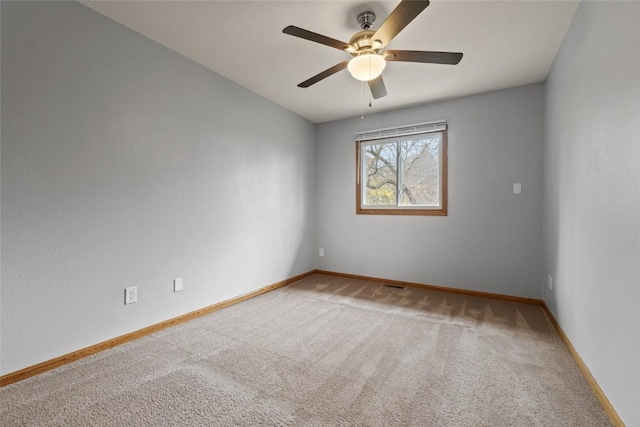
(406,210)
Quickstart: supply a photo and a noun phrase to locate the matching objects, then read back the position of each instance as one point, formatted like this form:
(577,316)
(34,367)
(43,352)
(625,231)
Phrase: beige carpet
(325,351)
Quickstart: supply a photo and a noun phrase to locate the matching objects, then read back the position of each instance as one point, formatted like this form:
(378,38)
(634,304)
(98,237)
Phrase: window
(402,171)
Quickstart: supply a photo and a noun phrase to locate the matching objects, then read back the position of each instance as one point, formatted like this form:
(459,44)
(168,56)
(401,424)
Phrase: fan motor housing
(362,41)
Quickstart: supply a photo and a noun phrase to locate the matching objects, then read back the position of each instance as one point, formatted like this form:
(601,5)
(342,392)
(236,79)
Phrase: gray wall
(592,195)
(123,164)
(490,241)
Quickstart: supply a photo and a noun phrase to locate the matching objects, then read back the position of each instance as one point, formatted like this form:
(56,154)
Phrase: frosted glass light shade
(366,66)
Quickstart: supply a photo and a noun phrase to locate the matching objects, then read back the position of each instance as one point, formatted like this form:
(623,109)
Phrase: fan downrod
(366,20)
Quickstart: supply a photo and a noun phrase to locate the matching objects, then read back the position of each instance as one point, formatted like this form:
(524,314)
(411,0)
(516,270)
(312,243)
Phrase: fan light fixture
(366,66)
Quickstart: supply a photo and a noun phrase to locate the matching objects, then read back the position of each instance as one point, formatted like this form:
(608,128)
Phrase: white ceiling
(505,44)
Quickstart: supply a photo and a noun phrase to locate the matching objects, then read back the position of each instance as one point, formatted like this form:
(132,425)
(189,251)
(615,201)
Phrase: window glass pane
(420,171)
(380,174)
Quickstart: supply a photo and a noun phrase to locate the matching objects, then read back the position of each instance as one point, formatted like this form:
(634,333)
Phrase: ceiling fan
(368,47)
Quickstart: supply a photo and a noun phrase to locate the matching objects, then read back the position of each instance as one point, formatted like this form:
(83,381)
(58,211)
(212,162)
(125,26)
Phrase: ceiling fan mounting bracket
(366,19)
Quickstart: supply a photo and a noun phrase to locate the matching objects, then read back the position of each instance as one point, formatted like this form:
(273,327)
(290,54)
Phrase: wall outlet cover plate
(131,295)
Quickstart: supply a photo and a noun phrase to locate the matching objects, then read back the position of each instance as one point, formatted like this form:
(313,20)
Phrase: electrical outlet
(517,188)
(177,284)
(550,281)
(321,252)
(130,295)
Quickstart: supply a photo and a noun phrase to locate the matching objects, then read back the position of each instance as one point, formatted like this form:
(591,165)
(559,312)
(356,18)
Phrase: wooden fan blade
(323,75)
(378,90)
(451,58)
(404,13)
(315,37)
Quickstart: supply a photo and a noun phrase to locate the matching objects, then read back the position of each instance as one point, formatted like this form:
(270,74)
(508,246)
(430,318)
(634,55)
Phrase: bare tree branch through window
(404,173)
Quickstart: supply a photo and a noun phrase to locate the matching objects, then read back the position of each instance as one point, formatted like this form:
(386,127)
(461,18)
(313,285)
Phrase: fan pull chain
(361,101)
(370,78)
